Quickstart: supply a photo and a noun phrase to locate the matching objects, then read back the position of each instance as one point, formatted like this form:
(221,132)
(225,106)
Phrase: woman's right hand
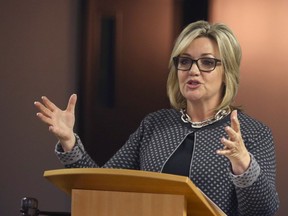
(60,122)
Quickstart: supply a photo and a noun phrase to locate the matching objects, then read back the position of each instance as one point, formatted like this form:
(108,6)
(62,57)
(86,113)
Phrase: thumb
(72,103)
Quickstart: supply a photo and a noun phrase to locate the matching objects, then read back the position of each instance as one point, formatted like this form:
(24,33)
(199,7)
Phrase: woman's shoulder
(163,115)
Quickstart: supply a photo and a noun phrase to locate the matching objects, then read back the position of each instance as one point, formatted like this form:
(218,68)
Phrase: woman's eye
(207,62)
(184,61)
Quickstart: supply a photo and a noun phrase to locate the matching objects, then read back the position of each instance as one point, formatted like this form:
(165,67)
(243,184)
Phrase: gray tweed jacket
(162,132)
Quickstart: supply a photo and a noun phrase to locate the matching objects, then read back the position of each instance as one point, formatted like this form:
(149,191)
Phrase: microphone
(29,207)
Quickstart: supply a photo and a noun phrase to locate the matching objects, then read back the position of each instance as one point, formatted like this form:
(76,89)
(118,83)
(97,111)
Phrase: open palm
(60,122)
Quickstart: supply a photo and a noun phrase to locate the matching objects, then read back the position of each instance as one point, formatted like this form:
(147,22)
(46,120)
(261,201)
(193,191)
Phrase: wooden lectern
(120,192)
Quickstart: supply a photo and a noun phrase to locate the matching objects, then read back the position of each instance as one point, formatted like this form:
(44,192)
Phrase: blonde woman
(227,154)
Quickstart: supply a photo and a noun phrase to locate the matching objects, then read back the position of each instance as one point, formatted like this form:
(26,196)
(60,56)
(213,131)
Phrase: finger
(56,131)
(72,103)
(228,144)
(231,133)
(53,130)
(42,109)
(51,106)
(234,121)
(44,118)
(224,152)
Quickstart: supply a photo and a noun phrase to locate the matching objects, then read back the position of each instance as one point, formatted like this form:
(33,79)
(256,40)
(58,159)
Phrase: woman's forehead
(202,46)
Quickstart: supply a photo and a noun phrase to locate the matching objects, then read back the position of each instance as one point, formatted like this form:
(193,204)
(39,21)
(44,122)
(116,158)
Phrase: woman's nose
(194,70)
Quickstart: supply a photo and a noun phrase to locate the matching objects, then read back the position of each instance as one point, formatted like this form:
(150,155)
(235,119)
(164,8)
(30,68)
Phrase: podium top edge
(115,172)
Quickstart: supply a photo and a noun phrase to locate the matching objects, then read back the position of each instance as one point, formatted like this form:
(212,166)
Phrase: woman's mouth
(193,84)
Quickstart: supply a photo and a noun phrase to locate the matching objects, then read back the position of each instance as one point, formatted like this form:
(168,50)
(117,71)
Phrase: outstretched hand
(60,122)
(234,147)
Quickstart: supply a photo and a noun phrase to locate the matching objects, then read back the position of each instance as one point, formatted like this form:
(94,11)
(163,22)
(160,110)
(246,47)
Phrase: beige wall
(38,47)
(261,27)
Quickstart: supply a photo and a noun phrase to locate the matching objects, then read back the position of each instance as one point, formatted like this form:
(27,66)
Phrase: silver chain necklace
(219,115)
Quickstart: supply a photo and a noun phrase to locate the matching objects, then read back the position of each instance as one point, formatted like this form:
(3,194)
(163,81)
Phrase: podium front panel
(112,203)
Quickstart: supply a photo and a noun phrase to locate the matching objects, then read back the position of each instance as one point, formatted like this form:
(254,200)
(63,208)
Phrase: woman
(200,137)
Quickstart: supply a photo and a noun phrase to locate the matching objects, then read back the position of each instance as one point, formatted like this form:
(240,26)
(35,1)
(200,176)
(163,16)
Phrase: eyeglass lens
(204,64)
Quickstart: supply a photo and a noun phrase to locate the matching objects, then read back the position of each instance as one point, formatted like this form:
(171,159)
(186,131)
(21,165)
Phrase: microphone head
(29,206)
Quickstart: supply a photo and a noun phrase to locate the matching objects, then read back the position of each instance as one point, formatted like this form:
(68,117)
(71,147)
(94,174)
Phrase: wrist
(240,166)
(68,144)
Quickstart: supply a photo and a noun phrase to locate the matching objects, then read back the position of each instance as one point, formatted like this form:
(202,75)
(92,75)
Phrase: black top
(179,162)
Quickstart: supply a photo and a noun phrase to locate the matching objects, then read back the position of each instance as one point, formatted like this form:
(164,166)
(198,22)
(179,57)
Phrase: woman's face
(202,87)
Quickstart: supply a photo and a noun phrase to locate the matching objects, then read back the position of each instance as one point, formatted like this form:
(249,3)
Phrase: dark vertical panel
(193,10)
(106,82)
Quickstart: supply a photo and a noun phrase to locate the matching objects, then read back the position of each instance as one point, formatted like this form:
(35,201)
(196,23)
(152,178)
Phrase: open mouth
(193,83)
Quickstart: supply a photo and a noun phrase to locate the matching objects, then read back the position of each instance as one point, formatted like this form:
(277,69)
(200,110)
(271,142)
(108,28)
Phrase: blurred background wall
(43,51)
(262,30)
(39,46)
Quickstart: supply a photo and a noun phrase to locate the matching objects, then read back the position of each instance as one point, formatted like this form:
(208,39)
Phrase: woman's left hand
(234,147)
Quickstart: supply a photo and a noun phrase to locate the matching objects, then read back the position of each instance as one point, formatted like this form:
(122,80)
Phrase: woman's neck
(199,112)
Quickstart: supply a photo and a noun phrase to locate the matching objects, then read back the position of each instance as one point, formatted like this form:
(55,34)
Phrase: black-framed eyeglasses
(204,64)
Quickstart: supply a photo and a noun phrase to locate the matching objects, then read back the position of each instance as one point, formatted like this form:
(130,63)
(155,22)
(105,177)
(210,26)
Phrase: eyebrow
(203,54)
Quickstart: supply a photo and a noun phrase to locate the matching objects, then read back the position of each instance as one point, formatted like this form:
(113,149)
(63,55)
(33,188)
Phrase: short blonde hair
(230,56)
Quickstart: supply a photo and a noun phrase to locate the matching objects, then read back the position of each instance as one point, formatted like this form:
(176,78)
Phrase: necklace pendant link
(219,115)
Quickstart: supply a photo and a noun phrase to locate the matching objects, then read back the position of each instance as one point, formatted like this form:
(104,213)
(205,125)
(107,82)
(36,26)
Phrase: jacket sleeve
(260,197)
(76,158)
(125,158)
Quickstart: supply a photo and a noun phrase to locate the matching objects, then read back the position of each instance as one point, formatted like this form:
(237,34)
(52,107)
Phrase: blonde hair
(230,56)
